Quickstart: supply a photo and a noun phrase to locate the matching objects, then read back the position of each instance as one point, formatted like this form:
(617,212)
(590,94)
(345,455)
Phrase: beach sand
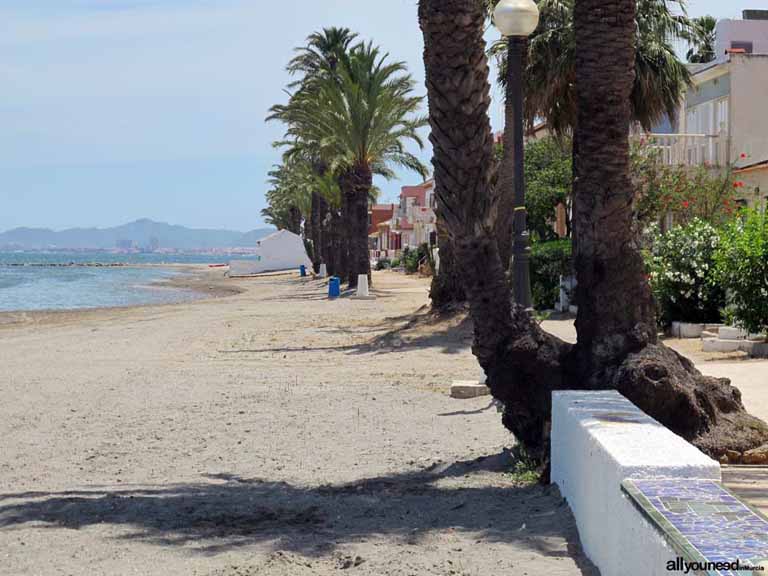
(269,432)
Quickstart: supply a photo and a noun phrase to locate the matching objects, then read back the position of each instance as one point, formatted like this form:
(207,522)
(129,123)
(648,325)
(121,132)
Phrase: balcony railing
(690,149)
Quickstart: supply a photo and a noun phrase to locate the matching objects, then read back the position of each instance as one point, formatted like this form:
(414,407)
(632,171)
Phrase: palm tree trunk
(617,343)
(356,186)
(446,290)
(294,220)
(521,362)
(337,244)
(616,311)
(343,236)
(315,232)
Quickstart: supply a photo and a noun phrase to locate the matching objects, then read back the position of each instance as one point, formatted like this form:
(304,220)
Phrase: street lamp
(517,19)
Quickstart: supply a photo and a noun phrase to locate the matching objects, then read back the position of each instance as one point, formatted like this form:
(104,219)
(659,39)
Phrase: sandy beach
(268,432)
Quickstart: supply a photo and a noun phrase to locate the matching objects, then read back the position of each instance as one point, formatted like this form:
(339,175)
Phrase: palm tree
(359,120)
(323,53)
(702,40)
(319,58)
(617,346)
(446,291)
(289,196)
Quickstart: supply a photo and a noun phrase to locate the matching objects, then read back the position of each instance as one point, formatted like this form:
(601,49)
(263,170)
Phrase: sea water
(59,281)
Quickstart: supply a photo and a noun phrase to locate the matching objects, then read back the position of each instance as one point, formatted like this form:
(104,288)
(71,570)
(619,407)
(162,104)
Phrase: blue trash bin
(334,287)
(303,270)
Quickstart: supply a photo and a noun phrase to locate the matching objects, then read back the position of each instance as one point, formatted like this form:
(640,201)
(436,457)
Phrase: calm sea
(38,281)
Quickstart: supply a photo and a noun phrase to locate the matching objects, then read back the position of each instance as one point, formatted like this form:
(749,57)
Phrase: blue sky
(112,110)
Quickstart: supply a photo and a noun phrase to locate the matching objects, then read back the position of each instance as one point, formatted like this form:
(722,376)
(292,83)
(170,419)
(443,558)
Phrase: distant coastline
(140,236)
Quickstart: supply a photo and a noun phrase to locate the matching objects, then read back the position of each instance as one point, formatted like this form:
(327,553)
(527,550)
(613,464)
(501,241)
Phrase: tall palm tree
(289,196)
(322,54)
(446,291)
(359,119)
(520,361)
(320,58)
(617,346)
(616,311)
(702,40)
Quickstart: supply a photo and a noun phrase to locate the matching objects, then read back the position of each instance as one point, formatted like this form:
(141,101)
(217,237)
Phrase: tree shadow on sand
(412,332)
(225,511)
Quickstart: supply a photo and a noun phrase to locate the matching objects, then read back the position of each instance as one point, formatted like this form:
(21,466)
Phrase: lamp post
(517,19)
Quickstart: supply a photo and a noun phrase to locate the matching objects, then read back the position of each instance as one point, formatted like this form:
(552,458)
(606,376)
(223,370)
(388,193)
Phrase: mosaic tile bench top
(703,521)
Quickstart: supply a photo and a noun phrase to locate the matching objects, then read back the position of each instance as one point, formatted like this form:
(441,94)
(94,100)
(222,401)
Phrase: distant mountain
(139,234)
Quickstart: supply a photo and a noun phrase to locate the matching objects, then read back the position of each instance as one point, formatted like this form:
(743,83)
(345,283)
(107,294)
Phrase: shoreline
(207,283)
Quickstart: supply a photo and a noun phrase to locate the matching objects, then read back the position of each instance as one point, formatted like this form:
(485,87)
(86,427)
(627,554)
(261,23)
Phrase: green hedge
(549,261)
(742,270)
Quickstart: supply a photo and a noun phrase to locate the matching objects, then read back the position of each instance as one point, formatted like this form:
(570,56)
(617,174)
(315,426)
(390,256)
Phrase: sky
(114,110)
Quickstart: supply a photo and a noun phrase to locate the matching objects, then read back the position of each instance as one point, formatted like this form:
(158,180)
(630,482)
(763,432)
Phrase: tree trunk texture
(616,311)
(446,291)
(294,220)
(344,236)
(617,340)
(324,219)
(337,245)
(356,186)
(315,231)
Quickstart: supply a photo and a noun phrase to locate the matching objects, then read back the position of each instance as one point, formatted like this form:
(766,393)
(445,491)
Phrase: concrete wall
(598,440)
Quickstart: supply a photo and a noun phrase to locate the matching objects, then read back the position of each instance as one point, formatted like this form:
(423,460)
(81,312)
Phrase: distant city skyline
(115,110)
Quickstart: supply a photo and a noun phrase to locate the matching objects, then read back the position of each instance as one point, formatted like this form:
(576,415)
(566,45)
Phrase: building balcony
(690,149)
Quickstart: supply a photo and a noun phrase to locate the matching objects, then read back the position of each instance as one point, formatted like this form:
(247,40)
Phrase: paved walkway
(750,483)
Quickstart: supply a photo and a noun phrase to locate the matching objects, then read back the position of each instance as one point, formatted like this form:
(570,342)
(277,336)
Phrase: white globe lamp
(516,17)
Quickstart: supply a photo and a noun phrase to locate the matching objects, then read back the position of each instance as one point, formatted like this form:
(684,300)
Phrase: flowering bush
(682,273)
(742,269)
(684,192)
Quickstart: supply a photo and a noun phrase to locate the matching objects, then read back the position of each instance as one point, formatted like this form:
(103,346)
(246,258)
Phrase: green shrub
(549,261)
(383,264)
(395,263)
(742,269)
(412,258)
(682,274)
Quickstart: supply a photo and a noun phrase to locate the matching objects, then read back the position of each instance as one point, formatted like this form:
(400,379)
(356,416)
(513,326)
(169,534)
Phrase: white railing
(690,149)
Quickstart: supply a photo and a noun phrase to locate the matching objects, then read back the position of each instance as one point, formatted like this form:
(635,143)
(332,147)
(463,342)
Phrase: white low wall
(599,439)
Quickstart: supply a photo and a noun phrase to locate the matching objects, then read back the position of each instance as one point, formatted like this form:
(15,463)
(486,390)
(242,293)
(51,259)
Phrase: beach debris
(466,389)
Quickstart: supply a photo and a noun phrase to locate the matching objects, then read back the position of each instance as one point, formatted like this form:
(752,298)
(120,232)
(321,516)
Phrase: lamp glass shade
(516,17)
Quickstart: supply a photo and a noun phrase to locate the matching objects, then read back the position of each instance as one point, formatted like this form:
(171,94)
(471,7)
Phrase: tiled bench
(704,522)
